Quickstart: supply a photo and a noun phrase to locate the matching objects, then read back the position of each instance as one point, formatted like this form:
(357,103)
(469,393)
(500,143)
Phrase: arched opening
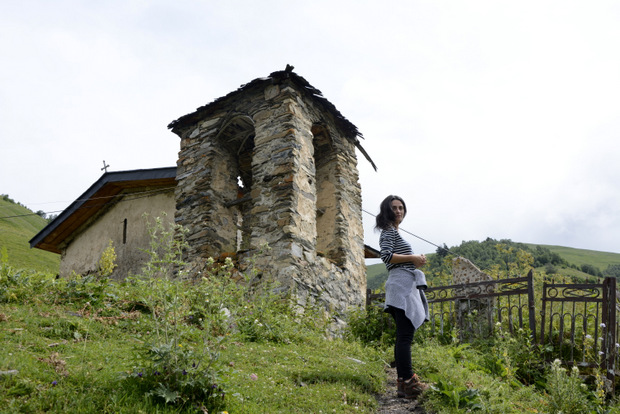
(236,140)
(326,200)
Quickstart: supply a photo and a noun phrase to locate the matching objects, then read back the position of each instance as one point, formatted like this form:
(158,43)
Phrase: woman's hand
(418,260)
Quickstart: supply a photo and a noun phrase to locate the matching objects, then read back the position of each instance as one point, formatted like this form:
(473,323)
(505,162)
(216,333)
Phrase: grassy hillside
(580,257)
(16,232)
(376,275)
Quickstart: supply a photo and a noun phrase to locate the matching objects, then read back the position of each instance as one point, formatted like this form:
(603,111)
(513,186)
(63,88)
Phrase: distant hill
(17,226)
(376,275)
(576,260)
(581,257)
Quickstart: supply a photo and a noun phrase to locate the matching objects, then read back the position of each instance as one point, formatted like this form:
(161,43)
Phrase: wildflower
(601,353)
(588,336)
(253,377)
(156,373)
(603,325)
(140,374)
(184,372)
(617,345)
(54,383)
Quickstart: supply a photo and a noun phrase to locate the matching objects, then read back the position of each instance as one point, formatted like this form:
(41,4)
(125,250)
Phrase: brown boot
(413,387)
(400,388)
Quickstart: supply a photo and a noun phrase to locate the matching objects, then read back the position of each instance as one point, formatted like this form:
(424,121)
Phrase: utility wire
(127,196)
(147,193)
(415,235)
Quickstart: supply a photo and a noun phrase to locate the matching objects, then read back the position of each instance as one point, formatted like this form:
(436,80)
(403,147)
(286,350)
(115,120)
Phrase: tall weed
(567,393)
(172,366)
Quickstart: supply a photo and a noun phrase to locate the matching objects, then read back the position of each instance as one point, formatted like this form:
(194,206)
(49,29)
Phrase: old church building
(270,164)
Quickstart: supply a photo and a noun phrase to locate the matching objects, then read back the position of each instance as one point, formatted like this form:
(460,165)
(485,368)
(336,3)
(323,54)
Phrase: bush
(371,326)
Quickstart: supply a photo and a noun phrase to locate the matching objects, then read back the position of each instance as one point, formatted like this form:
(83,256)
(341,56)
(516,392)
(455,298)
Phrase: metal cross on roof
(105,166)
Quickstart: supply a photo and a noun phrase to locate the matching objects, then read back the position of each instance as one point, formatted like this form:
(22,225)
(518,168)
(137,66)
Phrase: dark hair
(386,217)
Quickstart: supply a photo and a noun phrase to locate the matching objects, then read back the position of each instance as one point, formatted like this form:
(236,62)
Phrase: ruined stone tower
(274,163)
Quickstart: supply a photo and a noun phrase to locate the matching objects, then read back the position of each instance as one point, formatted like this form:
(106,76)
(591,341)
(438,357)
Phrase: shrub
(371,326)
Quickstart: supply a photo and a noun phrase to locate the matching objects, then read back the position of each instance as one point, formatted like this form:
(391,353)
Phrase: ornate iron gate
(475,308)
(578,323)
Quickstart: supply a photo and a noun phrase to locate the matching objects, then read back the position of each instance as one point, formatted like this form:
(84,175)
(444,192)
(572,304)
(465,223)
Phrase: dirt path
(389,403)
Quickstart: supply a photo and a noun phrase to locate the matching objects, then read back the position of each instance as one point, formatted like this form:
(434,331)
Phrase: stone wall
(271,164)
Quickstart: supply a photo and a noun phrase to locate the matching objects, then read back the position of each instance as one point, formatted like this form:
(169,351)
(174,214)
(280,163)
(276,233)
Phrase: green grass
(15,234)
(319,376)
(73,353)
(582,256)
(75,346)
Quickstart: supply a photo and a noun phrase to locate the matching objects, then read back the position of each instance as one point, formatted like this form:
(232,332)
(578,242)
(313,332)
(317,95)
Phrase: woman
(404,295)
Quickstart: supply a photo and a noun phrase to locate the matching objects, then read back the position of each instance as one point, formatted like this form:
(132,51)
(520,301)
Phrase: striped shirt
(391,243)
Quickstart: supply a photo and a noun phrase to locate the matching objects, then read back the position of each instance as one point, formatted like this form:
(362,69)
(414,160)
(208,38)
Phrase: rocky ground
(389,403)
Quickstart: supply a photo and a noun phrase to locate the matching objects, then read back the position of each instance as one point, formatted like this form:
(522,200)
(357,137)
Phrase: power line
(150,192)
(141,193)
(415,235)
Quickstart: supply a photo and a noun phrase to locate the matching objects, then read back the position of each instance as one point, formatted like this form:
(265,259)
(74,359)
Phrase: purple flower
(184,372)
(54,383)
(140,374)
(156,373)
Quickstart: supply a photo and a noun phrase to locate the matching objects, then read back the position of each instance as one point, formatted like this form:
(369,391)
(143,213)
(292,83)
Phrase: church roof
(97,198)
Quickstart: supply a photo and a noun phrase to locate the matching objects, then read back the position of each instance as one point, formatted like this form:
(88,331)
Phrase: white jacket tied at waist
(405,290)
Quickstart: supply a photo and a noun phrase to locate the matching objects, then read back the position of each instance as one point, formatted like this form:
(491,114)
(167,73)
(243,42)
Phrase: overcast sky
(491,119)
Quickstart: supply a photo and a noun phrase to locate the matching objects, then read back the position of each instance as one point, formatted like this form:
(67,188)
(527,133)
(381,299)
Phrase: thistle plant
(172,367)
(567,393)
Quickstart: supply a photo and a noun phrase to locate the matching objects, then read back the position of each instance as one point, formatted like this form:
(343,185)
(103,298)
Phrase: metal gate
(578,323)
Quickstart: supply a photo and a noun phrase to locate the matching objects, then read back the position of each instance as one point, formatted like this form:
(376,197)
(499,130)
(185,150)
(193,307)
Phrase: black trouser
(402,347)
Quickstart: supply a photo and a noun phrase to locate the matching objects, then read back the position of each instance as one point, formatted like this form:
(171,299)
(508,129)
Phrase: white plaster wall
(84,251)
